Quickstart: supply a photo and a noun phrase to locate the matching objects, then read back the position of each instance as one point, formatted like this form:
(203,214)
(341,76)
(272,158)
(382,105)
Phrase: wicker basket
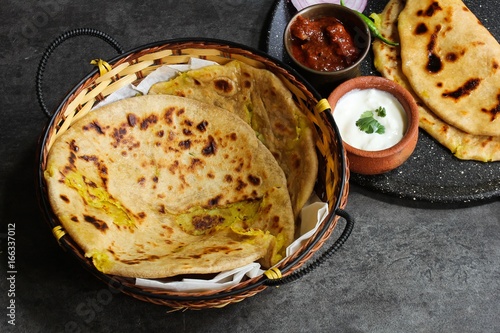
(133,66)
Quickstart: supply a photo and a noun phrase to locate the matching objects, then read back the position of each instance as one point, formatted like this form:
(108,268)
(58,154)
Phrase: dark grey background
(408,266)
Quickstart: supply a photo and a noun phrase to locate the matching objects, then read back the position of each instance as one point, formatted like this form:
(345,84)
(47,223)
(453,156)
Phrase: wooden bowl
(380,161)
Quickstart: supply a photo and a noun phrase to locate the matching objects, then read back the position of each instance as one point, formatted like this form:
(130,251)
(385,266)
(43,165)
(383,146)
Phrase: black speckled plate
(432,173)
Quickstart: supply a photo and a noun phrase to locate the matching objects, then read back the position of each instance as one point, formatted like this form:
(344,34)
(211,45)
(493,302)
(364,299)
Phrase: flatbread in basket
(157,186)
(262,100)
(134,68)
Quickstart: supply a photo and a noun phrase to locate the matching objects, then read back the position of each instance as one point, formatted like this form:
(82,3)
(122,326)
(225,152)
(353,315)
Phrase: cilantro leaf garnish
(368,124)
(381,111)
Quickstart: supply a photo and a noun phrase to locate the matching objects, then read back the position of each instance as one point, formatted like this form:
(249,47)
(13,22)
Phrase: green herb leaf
(373,23)
(381,112)
(368,124)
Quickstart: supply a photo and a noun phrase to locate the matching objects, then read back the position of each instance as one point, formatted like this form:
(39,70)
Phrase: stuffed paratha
(261,99)
(388,62)
(452,63)
(156,186)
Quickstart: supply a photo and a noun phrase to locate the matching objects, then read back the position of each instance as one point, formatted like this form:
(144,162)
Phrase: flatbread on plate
(388,62)
(452,63)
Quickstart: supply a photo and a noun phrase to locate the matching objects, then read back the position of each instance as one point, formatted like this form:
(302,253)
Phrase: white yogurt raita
(352,105)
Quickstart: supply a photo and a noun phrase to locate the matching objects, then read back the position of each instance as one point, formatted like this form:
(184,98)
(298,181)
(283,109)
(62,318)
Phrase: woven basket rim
(259,282)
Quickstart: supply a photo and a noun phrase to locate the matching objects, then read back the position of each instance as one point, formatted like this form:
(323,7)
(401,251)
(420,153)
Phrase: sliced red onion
(358,5)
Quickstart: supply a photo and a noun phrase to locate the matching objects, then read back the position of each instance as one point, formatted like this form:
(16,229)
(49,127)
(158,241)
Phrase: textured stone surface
(407,267)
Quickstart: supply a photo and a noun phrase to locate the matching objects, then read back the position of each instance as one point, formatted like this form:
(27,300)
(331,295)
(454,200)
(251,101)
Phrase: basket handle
(58,41)
(319,261)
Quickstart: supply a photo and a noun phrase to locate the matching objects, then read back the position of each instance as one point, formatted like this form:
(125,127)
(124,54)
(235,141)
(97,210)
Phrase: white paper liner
(163,73)
(221,281)
(311,215)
